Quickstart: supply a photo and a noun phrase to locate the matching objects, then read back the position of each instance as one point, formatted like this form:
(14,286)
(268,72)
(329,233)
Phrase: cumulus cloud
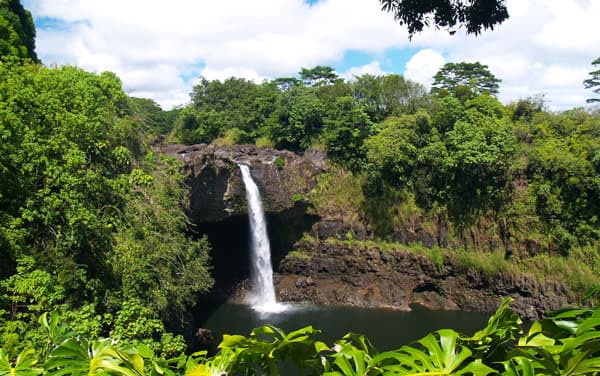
(223,74)
(423,65)
(373,68)
(545,46)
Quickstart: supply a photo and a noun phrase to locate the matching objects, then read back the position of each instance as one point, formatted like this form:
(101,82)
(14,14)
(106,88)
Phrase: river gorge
(315,261)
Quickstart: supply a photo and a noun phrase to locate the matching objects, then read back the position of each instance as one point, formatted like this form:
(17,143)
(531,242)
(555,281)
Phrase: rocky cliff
(328,269)
(342,273)
(217,190)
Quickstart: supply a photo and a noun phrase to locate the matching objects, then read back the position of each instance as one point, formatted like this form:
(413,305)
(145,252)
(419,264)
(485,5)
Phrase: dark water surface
(387,329)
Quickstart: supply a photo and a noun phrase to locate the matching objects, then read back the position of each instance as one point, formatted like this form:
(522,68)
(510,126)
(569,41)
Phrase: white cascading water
(263,299)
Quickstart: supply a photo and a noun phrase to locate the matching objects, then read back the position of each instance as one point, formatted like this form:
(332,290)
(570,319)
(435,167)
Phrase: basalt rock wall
(217,189)
(342,273)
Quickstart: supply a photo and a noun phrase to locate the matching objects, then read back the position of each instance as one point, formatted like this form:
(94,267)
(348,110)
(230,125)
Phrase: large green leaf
(268,346)
(98,357)
(492,342)
(518,366)
(23,366)
(567,342)
(57,331)
(435,354)
(353,355)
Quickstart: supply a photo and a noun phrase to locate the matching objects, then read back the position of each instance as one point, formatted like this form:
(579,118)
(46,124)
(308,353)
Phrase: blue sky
(160,49)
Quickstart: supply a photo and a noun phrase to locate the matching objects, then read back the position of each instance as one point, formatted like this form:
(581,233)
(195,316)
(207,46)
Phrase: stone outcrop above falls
(217,190)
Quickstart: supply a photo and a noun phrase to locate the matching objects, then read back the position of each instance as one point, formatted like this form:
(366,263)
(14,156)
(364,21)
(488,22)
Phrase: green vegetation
(594,81)
(564,343)
(17,33)
(464,77)
(456,156)
(92,222)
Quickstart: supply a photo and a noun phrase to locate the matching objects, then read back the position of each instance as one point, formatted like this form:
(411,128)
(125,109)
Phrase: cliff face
(336,273)
(328,270)
(217,190)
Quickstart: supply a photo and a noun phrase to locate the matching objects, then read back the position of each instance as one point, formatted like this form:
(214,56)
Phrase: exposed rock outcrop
(357,275)
(217,190)
(329,271)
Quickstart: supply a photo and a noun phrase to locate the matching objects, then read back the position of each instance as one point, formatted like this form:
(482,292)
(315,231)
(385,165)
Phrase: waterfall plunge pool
(387,329)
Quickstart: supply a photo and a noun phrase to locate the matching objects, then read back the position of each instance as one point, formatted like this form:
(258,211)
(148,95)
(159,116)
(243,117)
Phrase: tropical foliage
(465,79)
(93,225)
(564,343)
(83,201)
(17,32)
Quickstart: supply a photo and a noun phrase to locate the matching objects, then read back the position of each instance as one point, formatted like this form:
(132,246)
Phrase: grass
(338,191)
(580,270)
(299,254)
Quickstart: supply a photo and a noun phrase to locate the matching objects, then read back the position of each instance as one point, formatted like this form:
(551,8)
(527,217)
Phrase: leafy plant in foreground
(566,342)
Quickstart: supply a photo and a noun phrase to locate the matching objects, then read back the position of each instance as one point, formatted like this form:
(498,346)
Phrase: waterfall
(263,298)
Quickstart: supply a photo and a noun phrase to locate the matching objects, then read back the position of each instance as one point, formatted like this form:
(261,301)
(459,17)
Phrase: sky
(160,48)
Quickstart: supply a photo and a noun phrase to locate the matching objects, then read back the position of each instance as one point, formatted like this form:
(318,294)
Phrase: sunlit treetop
(17,32)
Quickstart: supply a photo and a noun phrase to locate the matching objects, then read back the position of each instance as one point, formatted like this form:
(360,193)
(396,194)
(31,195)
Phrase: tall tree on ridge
(457,77)
(319,75)
(594,81)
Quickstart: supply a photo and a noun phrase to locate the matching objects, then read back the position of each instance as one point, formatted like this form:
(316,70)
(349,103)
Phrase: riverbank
(364,274)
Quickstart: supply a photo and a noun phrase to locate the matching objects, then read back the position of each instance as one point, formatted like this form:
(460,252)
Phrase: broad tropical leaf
(57,331)
(268,346)
(353,355)
(435,354)
(97,357)
(23,366)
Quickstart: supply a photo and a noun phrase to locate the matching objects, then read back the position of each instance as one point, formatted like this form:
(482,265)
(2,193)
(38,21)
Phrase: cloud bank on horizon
(160,49)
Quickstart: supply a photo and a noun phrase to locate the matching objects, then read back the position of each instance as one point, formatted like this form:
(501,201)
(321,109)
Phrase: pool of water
(387,329)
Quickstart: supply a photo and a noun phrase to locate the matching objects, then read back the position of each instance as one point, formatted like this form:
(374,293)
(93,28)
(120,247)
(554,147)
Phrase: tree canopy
(318,75)
(463,79)
(86,211)
(594,81)
(17,32)
(474,15)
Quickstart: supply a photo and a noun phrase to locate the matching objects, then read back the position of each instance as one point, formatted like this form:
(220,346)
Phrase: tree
(474,15)
(285,83)
(150,114)
(346,128)
(386,95)
(594,81)
(89,219)
(465,80)
(301,116)
(318,76)
(480,151)
(17,32)
(198,126)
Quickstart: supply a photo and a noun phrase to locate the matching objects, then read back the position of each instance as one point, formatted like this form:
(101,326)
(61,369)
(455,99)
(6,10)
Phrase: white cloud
(423,65)
(373,68)
(546,45)
(223,74)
